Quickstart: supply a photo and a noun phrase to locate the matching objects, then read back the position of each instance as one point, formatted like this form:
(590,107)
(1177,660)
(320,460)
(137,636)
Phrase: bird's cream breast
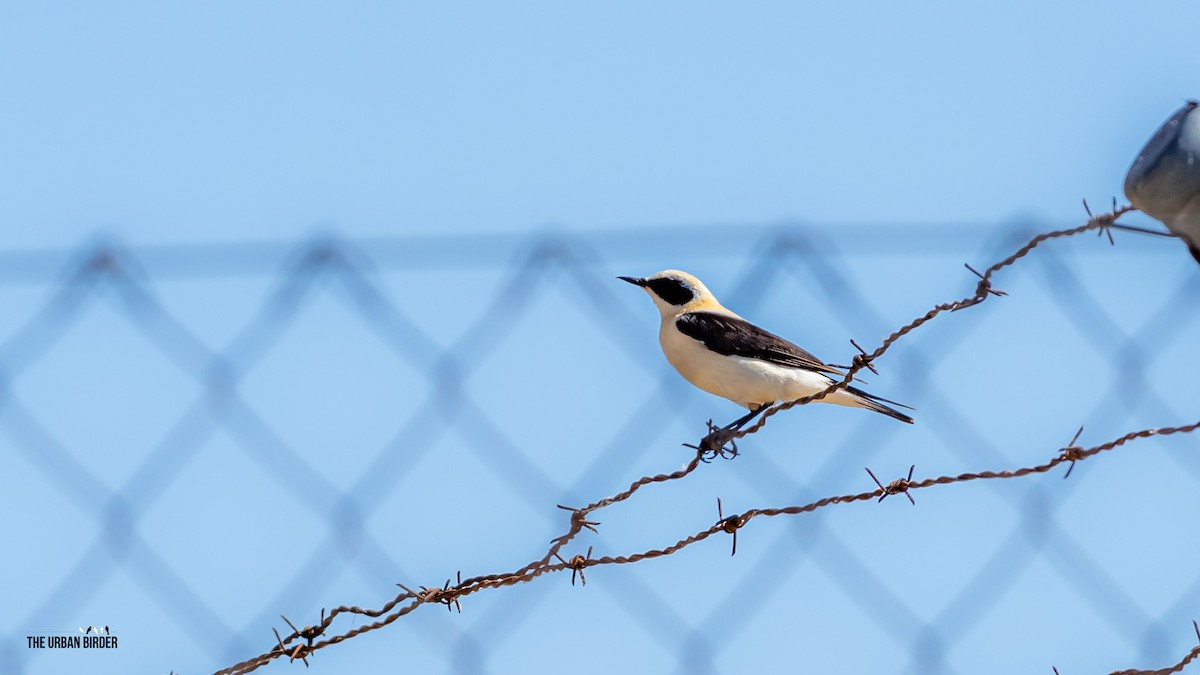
(734,378)
(688,356)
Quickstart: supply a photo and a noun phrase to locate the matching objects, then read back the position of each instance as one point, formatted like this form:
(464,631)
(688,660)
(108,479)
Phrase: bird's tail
(876,403)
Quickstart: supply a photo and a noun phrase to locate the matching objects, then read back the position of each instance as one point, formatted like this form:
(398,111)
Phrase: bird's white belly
(746,381)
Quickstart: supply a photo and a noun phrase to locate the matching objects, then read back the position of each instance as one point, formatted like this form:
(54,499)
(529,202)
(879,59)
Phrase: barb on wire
(446,595)
(299,652)
(309,633)
(987,282)
(1071,452)
(577,564)
(898,486)
(1104,230)
(720,442)
(579,518)
(730,525)
(862,359)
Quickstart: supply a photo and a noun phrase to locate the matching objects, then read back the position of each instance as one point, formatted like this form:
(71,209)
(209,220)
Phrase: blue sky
(201,121)
(898,139)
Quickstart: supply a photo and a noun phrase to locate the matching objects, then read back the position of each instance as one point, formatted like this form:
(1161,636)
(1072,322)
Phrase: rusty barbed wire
(714,444)
(448,594)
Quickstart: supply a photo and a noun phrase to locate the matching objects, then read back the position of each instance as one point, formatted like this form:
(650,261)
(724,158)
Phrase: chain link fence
(200,439)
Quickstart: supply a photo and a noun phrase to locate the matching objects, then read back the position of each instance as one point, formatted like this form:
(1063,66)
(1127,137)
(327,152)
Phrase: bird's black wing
(734,336)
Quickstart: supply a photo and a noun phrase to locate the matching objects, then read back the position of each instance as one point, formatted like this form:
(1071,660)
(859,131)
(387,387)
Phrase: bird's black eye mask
(672,291)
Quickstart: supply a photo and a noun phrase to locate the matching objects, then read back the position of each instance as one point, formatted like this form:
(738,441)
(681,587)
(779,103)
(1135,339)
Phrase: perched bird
(1164,180)
(723,354)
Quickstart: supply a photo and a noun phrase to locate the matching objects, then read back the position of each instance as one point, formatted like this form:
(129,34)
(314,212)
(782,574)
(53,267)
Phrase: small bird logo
(1164,181)
(725,355)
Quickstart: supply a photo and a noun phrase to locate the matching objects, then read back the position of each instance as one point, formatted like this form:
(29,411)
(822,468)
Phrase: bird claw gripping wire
(898,486)
(577,565)
(718,442)
(730,525)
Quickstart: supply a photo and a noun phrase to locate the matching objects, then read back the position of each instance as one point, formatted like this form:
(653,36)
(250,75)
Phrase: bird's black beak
(636,281)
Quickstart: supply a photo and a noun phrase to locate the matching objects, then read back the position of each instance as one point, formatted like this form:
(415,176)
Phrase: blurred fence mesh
(226,433)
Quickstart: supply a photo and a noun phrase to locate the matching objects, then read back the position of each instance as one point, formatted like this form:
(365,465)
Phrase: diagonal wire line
(540,262)
(530,572)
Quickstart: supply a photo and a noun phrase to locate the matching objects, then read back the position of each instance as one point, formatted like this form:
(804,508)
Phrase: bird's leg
(745,419)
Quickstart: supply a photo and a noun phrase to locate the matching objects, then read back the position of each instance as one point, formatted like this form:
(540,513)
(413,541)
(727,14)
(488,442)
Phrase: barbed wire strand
(713,444)
(450,595)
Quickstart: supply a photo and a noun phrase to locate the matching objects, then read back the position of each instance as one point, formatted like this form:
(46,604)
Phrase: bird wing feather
(734,336)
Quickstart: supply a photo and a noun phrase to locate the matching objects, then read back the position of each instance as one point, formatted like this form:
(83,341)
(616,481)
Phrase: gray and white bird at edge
(1164,181)
(725,355)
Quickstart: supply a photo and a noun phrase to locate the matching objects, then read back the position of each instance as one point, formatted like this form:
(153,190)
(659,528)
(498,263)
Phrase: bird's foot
(718,442)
